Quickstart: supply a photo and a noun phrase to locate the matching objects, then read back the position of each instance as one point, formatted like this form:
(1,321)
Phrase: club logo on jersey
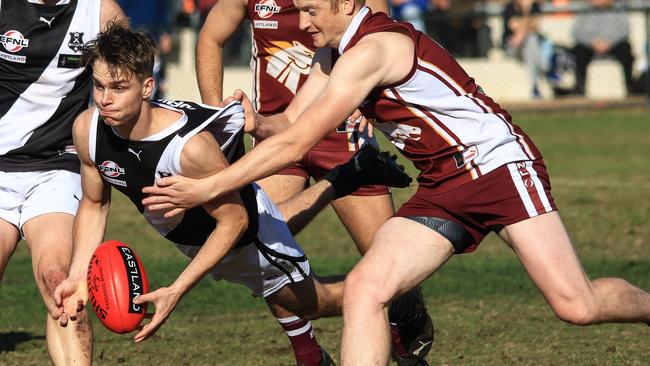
(111,169)
(399,133)
(76,41)
(287,62)
(466,156)
(13,41)
(266,8)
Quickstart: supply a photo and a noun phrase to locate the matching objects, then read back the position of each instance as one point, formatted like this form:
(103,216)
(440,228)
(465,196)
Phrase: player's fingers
(146,331)
(57,296)
(141,299)
(157,193)
(56,313)
(161,206)
(168,181)
(354,117)
(371,129)
(63,320)
(226,101)
(238,94)
(174,212)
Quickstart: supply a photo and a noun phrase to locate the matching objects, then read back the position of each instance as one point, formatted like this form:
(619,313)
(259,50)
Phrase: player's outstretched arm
(201,157)
(71,295)
(366,66)
(221,23)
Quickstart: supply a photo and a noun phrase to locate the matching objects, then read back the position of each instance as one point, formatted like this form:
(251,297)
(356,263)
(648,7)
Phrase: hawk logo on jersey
(13,41)
(76,41)
(266,8)
(399,133)
(287,62)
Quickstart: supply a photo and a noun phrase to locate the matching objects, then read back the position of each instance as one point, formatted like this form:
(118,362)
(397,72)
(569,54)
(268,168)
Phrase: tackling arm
(379,59)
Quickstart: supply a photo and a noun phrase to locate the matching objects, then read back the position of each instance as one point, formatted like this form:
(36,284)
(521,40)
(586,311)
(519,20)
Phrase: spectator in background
(521,39)
(602,32)
(154,17)
(412,11)
(460,30)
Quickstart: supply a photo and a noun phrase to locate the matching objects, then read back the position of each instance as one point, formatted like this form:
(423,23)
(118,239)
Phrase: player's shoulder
(199,145)
(83,120)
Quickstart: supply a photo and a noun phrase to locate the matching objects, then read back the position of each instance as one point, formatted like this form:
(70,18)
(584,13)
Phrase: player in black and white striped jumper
(43,87)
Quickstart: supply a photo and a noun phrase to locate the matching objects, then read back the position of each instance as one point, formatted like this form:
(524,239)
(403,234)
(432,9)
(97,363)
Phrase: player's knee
(51,275)
(576,311)
(362,288)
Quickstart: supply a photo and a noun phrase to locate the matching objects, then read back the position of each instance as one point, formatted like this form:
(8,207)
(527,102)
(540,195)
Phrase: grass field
(485,308)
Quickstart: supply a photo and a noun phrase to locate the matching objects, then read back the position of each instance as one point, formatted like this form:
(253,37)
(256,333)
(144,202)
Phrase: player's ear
(148,87)
(347,6)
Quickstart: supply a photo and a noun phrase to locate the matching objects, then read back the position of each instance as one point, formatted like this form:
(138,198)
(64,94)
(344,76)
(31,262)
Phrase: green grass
(486,310)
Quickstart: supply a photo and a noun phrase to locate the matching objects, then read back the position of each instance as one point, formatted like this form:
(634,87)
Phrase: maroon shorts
(337,148)
(506,195)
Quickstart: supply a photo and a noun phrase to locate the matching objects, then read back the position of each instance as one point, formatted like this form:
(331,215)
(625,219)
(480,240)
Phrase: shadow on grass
(9,340)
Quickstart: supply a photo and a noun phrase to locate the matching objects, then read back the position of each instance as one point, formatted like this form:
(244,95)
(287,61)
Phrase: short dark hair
(125,51)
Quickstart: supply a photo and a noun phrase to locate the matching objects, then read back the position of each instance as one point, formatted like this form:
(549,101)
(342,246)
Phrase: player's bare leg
(9,237)
(363,227)
(309,299)
(301,208)
(49,238)
(295,304)
(282,187)
(404,253)
(544,248)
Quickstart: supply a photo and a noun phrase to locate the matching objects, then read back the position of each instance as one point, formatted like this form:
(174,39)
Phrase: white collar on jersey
(352,28)
(60,2)
(182,120)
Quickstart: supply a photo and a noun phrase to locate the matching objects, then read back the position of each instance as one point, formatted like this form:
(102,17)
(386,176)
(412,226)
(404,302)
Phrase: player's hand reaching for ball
(70,297)
(165,300)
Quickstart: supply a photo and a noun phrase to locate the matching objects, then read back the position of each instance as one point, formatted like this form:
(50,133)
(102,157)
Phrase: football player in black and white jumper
(43,87)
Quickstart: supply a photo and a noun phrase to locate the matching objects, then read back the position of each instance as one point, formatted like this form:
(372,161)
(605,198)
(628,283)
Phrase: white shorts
(25,195)
(268,265)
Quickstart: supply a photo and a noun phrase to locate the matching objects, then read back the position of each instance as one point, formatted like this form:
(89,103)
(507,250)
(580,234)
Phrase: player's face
(118,97)
(325,24)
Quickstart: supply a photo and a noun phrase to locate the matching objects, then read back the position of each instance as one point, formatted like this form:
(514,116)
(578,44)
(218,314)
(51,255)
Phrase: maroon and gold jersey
(282,56)
(437,116)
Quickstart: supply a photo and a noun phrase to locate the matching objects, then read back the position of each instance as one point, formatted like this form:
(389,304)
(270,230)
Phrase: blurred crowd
(601,30)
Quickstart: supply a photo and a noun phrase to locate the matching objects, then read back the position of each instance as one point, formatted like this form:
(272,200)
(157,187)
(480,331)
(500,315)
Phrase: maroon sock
(301,335)
(398,347)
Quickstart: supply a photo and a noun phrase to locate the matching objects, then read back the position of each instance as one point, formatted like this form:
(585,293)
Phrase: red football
(115,277)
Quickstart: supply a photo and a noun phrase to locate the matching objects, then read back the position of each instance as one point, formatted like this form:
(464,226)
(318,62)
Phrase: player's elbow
(240,220)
